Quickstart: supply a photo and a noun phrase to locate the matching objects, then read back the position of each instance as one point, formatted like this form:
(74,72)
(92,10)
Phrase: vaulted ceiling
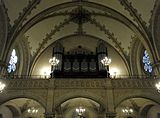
(115,21)
(120,23)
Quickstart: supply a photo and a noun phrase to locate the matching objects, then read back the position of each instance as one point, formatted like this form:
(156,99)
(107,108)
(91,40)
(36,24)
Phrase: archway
(80,108)
(22,107)
(137,107)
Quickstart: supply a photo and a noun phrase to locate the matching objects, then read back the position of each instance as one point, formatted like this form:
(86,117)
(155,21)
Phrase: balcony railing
(49,77)
(34,82)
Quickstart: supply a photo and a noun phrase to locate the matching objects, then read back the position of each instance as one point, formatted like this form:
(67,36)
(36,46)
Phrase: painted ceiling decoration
(42,22)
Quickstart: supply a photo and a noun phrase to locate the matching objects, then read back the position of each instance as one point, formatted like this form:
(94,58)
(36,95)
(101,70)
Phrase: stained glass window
(12,62)
(146,62)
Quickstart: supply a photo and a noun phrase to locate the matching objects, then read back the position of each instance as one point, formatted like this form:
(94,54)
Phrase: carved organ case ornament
(79,62)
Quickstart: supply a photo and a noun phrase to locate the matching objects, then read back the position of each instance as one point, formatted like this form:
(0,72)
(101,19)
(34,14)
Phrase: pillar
(3,67)
(101,115)
(50,111)
(110,108)
(110,115)
(49,115)
(59,116)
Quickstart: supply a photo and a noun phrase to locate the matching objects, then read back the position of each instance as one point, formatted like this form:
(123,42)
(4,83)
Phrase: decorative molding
(79,83)
(114,40)
(23,15)
(5,12)
(152,15)
(26,83)
(47,38)
(58,84)
(108,12)
(142,26)
(145,83)
(109,34)
(134,13)
(18,23)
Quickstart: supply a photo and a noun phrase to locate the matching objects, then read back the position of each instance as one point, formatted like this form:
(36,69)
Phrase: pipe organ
(80,62)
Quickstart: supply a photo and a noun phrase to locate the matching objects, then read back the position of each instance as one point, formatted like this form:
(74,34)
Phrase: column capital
(110,115)
(49,115)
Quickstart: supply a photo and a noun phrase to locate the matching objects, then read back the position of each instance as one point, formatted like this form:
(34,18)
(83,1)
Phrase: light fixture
(127,110)
(106,61)
(158,86)
(32,110)
(2,86)
(53,61)
(80,111)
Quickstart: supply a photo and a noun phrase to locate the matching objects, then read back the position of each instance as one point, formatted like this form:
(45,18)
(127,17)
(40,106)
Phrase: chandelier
(53,61)
(80,111)
(158,86)
(2,86)
(106,61)
(127,110)
(32,110)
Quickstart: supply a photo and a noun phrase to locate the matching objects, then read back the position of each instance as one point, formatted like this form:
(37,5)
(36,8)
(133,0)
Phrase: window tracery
(12,62)
(147,62)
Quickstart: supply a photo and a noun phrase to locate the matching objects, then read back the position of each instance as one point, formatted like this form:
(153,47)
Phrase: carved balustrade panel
(79,83)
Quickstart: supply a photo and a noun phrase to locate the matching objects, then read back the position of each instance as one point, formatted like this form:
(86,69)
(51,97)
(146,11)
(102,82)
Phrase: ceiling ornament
(80,16)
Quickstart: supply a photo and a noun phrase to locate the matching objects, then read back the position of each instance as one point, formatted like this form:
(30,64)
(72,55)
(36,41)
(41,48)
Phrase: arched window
(146,62)
(12,62)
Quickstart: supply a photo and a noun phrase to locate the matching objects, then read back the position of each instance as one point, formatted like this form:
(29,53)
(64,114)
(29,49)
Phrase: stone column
(3,67)
(49,115)
(110,115)
(110,108)
(101,115)
(59,116)
(50,110)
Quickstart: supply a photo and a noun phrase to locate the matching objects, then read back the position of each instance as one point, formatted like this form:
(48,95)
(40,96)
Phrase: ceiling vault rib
(113,14)
(134,13)
(142,24)
(108,11)
(46,39)
(114,40)
(5,28)
(8,19)
(153,21)
(18,23)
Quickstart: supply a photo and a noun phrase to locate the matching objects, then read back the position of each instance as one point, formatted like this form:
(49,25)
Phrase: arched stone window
(146,62)
(12,62)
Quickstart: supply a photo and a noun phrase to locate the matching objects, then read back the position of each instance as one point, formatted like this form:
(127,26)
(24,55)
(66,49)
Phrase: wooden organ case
(80,62)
